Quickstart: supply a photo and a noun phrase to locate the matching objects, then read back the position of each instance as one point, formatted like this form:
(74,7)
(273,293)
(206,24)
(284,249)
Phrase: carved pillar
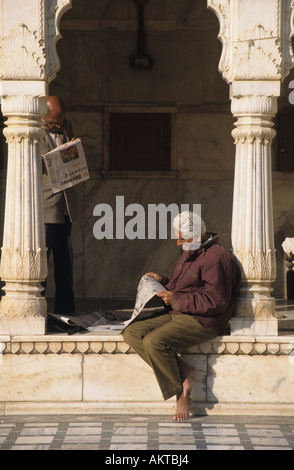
(252,222)
(256,57)
(28,62)
(23,262)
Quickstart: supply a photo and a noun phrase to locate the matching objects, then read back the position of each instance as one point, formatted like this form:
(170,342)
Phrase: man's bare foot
(184,403)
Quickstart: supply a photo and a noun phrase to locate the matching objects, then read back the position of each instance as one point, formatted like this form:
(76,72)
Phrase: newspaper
(288,246)
(107,322)
(86,321)
(66,165)
(148,287)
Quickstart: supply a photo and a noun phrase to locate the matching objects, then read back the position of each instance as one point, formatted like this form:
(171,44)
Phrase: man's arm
(210,299)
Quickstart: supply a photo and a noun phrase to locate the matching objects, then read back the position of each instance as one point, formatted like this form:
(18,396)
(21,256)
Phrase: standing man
(57,210)
(199,301)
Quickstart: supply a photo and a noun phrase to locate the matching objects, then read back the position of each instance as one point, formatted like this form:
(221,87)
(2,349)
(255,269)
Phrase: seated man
(199,302)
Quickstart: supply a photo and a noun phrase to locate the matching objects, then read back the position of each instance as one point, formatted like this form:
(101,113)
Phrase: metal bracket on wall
(142,60)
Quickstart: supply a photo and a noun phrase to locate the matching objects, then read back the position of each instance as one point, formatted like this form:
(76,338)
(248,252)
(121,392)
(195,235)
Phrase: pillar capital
(28,39)
(254,115)
(256,44)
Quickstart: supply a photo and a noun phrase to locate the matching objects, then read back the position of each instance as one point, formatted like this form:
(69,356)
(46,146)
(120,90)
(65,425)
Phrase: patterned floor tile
(146,433)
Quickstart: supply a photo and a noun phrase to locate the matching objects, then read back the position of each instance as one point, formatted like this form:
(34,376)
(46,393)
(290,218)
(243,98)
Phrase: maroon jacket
(206,285)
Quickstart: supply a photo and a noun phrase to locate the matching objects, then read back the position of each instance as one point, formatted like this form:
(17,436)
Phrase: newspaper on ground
(76,323)
(106,321)
(66,165)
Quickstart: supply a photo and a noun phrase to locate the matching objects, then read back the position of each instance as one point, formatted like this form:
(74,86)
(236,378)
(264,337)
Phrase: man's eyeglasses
(55,124)
(183,240)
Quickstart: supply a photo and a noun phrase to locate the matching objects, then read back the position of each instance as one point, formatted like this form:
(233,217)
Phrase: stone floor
(139,433)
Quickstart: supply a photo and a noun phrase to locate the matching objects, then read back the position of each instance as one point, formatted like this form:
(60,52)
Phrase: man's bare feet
(184,401)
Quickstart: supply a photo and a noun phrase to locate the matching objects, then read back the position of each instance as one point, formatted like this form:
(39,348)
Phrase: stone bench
(99,373)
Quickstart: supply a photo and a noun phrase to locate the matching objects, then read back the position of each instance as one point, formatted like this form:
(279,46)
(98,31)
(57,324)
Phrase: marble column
(256,57)
(29,30)
(252,221)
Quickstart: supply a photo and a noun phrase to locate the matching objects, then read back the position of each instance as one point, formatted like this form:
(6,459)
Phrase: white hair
(189,224)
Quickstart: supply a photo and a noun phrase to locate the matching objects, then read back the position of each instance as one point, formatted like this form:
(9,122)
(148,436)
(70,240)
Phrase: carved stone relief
(257,55)
(259,52)
(21,56)
(259,266)
(12,309)
(28,266)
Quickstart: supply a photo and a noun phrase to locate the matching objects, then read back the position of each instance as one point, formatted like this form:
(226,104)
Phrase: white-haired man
(199,302)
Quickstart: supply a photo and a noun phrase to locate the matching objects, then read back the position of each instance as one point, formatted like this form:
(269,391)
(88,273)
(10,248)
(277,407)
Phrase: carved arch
(222,9)
(55,9)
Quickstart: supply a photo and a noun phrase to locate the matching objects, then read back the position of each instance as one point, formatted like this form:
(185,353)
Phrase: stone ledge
(93,343)
(79,408)
(94,373)
(152,408)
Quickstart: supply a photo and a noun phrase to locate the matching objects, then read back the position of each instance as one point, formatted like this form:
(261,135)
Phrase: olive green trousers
(159,339)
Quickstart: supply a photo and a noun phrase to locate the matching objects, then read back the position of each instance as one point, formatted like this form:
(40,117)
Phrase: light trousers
(159,339)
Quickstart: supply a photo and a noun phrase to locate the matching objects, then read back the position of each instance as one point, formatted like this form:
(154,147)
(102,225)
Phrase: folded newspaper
(66,165)
(107,321)
(148,287)
(288,246)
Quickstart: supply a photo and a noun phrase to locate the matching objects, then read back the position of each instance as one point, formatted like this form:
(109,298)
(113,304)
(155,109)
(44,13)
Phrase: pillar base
(252,327)
(26,317)
(19,326)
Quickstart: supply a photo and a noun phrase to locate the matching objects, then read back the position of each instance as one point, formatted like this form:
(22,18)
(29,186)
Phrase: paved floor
(139,433)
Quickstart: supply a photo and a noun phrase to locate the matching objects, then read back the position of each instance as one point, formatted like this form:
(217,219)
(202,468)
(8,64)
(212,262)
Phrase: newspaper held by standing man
(66,165)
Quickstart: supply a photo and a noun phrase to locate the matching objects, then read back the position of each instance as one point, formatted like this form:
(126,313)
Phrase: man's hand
(167,296)
(157,277)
